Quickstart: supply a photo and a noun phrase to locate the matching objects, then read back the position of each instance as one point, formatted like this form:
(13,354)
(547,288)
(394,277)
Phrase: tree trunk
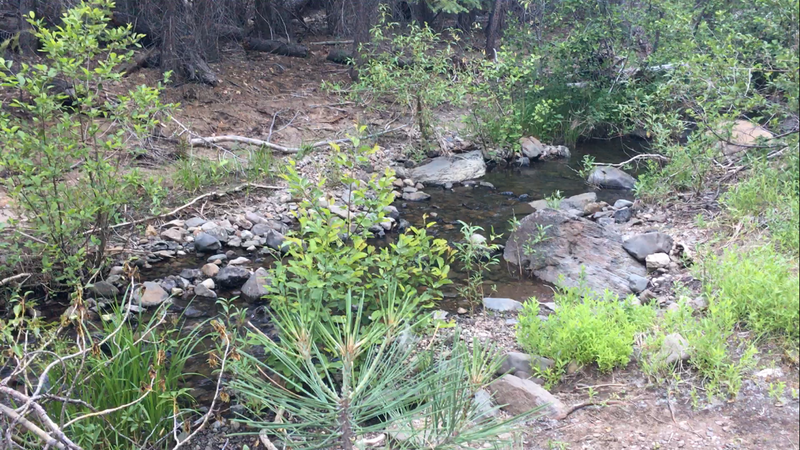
(272,21)
(181,51)
(465,20)
(493,28)
(27,41)
(364,12)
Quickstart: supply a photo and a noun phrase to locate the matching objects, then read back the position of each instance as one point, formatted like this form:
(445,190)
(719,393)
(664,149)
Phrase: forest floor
(280,99)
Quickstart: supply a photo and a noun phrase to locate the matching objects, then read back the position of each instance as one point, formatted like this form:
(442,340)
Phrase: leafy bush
(586,327)
(71,144)
(329,255)
(476,257)
(760,287)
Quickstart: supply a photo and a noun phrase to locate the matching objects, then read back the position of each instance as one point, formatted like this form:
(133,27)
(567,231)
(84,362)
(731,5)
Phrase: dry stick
(637,157)
(572,409)
(30,426)
(212,140)
(5,281)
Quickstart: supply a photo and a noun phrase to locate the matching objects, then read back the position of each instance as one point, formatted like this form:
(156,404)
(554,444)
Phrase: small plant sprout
(554,200)
(476,257)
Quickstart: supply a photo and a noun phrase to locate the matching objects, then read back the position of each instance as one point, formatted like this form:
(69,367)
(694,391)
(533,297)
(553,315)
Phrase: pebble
(238,261)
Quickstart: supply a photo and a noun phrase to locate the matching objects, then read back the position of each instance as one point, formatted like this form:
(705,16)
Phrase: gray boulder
(523,365)
(642,245)
(418,196)
(623,215)
(520,396)
(450,169)
(150,294)
(202,291)
(103,289)
(575,204)
(195,222)
(637,283)
(573,246)
(232,276)
(255,287)
(611,178)
(205,242)
(191,274)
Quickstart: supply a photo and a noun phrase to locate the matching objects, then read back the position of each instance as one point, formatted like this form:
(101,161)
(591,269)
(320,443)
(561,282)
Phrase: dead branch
(655,156)
(5,281)
(195,200)
(574,408)
(32,427)
(212,140)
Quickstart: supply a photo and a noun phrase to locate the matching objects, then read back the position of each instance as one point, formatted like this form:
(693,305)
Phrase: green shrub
(759,286)
(68,148)
(586,327)
(330,254)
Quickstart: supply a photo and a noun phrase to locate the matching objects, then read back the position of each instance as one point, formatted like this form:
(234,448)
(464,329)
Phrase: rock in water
(520,396)
(501,304)
(611,178)
(255,287)
(576,203)
(416,196)
(572,246)
(451,169)
(210,270)
(232,276)
(531,147)
(641,245)
(205,242)
(202,291)
(150,294)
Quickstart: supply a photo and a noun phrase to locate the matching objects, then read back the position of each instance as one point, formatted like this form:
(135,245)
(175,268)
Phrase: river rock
(173,234)
(674,348)
(451,169)
(415,196)
(742,136)
(202,291)
(210,270)
(239,261)
(195,222)
(205,242)
(484,406)
(623,215)
(523,365)
(520,396)
(593,208)
(276,241)
(191,274)
(657,261)
(576,203)
(637,283)
(232,277)
(501,304)
(218,258)
(255,287)
(531,147)
(641,245)
(573,245)
(209,283)
(254,218)
(611,178)
(150,294)
(103,289)
(622,203)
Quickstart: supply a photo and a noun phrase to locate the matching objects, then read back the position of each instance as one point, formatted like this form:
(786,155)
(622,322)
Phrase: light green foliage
(330,255)
(53,131)
(477,257)
(194,173)
(769,198)
(380,382)
(761,288)
(412,68)
(587,328)
(554,200)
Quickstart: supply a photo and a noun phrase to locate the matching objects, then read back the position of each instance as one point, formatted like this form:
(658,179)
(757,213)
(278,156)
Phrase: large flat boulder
(572,246)
(519,396)
(450,169)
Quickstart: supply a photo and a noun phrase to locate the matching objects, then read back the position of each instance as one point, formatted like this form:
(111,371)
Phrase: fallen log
(340,57)
(276,47)
(230,33)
